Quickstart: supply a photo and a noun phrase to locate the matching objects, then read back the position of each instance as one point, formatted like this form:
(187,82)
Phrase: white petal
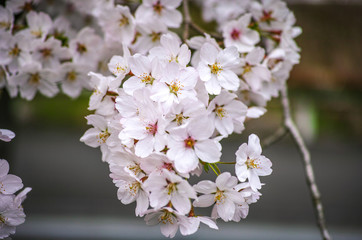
(204,200)
(208,151)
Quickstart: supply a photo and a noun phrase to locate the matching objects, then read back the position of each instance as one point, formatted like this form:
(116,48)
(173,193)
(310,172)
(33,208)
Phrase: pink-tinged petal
(186,161)
(229,80)
(254,180)
(208,150)
(226,210)
(228,57)
(125,197)
(235,197)
(139,65)
(169,229)
(185,189)
(6,135)
(97,121)
(4,168)
(10,184)
(142,203)
(48,89)
(184,55)
(254,144)
(188,225)
(264,167)
(241,155)
(208,222)
(144,147)
(27,91)
(205,187)
(172,18)
(255,56)
(204,72)
(132,84)
(159,199)
(201,129)
(188,78)
(171,3)
(208,53)
(250,38)
(222,179)
(181,203)
(255,112)
(241,172)
(91,137)
(204,200)
(171,43)
(225,126)
(213,86)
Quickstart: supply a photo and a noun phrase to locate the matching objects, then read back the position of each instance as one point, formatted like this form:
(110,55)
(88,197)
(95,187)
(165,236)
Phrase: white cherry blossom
(237,33)
(188,144)
(216,68)
(221,193)
(228,113)
(162,10)
(167,187)
(250,164)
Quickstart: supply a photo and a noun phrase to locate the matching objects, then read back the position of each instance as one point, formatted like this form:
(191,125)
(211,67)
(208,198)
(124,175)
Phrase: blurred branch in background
(309,173)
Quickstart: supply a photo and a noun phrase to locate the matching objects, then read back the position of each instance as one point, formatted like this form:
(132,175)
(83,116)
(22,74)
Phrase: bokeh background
(74,198)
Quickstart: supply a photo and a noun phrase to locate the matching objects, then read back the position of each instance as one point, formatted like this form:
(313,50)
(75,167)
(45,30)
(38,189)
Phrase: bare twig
(275,137)
(189,23)
(316,197)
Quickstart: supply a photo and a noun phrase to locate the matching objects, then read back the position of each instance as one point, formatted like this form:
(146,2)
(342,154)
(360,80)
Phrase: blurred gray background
(74,198)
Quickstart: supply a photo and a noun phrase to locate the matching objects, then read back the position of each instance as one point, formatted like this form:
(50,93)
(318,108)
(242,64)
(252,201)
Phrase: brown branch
(189,23)
(316,197)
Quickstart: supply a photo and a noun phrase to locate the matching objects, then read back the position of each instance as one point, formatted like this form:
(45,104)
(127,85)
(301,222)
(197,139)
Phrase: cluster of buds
(11,210)
(160,115)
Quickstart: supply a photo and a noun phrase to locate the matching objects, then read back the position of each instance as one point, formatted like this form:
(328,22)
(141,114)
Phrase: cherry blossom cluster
(11,210)
(160,112)
(160,116)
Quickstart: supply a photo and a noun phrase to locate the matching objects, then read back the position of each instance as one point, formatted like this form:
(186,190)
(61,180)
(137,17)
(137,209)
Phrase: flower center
(46,52)
(166,217)
(157,7)
(123,21)
(36,34)
(175,86)
(189,142)
(34,78)
(155,36)
(267,16)
(145,78)
(133,188)
(5,25)
(247,68)
(235,34)
(215,68)
(15,51)
(119,69)
(252,163)
(103,136)
(81,48)
(135,169)
(171,187)
(179,118)
(152,128)
(71,76)
(2,219)
(219,197)
(220,111)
